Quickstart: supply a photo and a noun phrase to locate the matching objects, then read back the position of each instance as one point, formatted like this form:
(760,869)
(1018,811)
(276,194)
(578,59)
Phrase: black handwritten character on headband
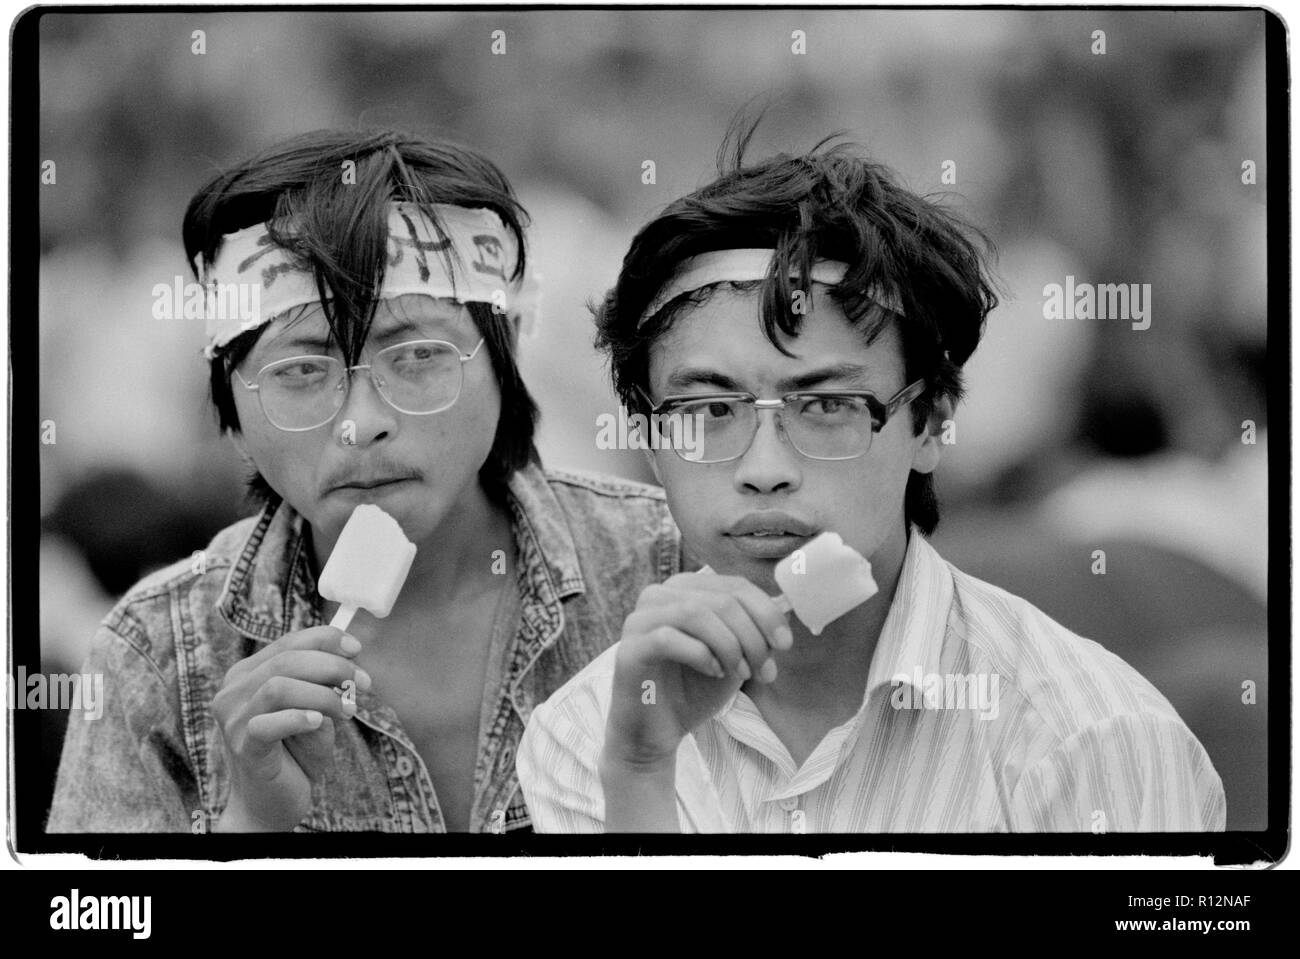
(271,272)
(421,246)
(490,256)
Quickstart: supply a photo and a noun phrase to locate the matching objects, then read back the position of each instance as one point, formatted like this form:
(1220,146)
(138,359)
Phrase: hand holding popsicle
(689,645)
(685,649)
(276,709)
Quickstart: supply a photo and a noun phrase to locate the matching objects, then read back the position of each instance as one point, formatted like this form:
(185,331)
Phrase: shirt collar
(911,640)
(271,589)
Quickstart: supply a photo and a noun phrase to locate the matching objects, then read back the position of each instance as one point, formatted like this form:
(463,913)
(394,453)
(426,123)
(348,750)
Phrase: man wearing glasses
(808,320)
(380,369)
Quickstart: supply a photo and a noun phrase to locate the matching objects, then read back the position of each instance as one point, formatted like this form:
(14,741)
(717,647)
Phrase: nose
(366,416)
(771,464)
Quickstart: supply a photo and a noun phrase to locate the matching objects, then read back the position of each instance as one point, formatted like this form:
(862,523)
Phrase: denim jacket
(154,761)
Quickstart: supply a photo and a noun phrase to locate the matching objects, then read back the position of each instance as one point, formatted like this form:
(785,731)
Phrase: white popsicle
(823,580)
(368,566)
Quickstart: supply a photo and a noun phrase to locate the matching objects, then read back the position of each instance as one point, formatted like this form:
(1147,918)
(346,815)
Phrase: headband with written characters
(740,265)
(469,260)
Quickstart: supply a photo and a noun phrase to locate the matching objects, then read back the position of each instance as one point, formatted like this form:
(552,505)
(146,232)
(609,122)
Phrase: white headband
(740,265)
(469,260)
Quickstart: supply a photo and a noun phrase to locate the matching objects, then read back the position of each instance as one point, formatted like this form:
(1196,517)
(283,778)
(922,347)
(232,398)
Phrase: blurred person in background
(819,290)
(378,366)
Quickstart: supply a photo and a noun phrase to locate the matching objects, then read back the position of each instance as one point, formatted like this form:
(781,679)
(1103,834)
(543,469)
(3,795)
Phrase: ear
(930,443)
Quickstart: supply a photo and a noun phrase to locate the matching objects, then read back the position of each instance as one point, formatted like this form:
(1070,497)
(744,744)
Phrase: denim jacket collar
(547,575)
(270,572)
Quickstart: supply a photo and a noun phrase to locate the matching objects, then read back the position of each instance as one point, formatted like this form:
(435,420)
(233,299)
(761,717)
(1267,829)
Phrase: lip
(365,485)
(769,534)
(768,547)
(773,523)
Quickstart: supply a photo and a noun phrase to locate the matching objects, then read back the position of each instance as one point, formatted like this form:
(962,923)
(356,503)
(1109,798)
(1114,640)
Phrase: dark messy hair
(340,232)
(830,203)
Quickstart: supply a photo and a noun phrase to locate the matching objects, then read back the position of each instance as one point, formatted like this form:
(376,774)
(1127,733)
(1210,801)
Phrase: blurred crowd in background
(1078,435)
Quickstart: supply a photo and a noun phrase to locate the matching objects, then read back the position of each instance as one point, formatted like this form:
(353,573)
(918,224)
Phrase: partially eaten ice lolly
(368,566)
(823,580)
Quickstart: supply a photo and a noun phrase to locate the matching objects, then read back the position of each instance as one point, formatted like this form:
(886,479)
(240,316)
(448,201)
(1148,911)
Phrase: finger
(282,692)
(701,612)
(692,613)
(771,621)
(669,644)
(324,638)
(265,730)
(736,618)
(312,666)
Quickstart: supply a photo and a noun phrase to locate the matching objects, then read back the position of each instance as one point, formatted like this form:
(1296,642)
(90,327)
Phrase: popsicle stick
(343,618)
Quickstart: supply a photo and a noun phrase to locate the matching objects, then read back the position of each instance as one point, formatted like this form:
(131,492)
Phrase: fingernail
(768,672)
(784,637)
(745,674)
(363,678)
(314,718)
(718,671)
(350,645)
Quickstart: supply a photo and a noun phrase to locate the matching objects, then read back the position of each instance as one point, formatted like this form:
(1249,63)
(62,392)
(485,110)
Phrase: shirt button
(790,805)
(404,765)
(797,824)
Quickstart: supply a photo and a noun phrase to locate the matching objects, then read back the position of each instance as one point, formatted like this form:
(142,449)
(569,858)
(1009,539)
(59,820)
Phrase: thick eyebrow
(850,375)
(688,376)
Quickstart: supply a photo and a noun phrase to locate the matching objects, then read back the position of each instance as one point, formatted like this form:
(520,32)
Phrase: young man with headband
(389,280)
(813,318)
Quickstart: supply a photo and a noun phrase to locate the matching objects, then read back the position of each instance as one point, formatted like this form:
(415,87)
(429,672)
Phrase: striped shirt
(981,714)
